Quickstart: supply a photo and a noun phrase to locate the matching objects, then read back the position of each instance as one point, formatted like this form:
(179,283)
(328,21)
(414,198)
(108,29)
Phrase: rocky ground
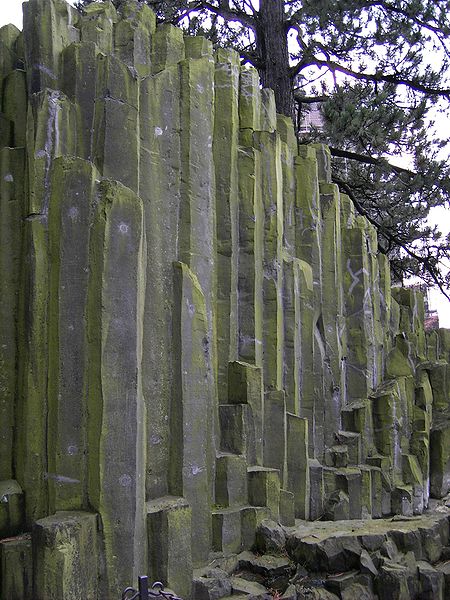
(402,558)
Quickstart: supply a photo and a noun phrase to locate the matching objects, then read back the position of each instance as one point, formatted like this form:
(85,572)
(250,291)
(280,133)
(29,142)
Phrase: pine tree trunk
(272,48)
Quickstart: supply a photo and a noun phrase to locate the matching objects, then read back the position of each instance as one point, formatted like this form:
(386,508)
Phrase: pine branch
(375,77)
(370,160)
(399,11)
(229,14)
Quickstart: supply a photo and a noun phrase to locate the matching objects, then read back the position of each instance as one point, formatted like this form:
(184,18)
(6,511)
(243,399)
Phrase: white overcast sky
(11,12)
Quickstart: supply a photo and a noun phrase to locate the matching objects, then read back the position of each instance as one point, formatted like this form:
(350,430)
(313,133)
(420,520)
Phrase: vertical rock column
(332,310)
(298,471)
(79,83)
(116,409)
(116,126)
(376,306)
(250,257)
(308,249)
(133,36)
(268,143)
(225,145)
(48,28)
(12,166)
(159,185)
(65,556)
(50,132)
(73,190)
(197,227)
(298,296)
(288,144)
(251,223)
(357,292)
(197,250)
(192,452)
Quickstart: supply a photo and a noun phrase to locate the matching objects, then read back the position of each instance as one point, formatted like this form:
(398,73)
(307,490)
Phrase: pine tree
(378,69)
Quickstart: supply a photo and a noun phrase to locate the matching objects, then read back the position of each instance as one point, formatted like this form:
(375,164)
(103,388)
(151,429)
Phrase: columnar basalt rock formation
(197,332)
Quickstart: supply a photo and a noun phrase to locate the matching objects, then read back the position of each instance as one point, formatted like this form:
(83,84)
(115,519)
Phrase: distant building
(311,116)
(431,321)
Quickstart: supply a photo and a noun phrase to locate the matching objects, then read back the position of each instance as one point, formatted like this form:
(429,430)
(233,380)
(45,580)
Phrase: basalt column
(116,407)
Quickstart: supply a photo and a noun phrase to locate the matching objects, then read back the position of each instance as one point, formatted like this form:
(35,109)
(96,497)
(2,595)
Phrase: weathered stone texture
(197,332)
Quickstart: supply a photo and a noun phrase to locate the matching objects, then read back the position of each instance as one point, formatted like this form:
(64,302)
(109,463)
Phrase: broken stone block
(270,538)
(242,586)
(351,482)
(399,362)
(116,122)
(210,584)
(65,556)
(333,554)
(133,35)
(48,29)
(316,497)
(270,567)
(226,530)
(440,460)
(324,162)
(170,539)
(439,380)
(237,430)
(298,468)
(367,493)
(408,541)
(341,583)
(251,517)
(338,456)
(367,564)
(353,442)
(16,568)
(386,404)
(435,535)
(431,582)
(231,480)
(268,111)
(97,25)
(412,475)
(402,500)
(167,47)
(12,518)
(337,506)
(9,37)
(287,508)
(358,590)
(392,582)
(274,454)
(249,99)
(264,488)
(444,568)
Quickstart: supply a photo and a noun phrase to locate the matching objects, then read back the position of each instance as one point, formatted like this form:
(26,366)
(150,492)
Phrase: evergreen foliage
(380,70)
